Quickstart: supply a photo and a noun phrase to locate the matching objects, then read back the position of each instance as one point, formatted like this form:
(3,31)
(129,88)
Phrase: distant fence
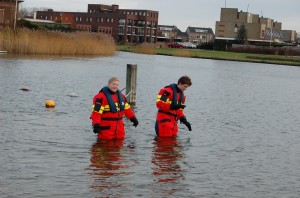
(285,50)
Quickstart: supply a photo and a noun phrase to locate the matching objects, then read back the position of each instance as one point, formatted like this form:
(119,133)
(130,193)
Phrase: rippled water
(245,140)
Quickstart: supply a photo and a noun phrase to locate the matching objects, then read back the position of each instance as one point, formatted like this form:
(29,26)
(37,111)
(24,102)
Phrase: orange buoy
(50,104)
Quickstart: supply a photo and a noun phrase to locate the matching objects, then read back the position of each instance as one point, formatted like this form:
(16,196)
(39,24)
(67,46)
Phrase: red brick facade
(8,12)
(125,26)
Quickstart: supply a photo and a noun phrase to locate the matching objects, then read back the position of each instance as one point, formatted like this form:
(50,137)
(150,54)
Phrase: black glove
(134,121)
(181,106)
(177,107)
(96,128)
(187,124)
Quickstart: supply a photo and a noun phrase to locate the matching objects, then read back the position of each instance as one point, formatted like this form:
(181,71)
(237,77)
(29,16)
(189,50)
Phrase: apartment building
(200,35)
(124,25)
(9,12)
(259,29)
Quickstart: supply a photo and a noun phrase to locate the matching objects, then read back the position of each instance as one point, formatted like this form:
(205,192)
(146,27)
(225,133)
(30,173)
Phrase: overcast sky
(195,13)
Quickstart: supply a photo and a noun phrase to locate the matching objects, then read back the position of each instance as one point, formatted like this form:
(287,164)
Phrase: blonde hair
(112,79)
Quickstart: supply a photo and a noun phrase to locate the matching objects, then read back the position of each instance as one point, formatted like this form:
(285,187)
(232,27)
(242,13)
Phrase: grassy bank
(209,54)
(26,41)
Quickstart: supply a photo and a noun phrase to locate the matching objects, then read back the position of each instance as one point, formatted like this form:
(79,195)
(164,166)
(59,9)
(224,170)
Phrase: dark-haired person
(109,107)
(170,104)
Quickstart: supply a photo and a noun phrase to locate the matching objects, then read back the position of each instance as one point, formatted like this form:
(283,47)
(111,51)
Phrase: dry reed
(26,41)
(183,53)
(145,48)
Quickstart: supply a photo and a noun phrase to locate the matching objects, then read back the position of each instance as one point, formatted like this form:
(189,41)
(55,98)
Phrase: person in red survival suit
(170,104)
(109,107)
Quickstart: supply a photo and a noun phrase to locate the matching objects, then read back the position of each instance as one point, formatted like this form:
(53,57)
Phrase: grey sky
(196,13)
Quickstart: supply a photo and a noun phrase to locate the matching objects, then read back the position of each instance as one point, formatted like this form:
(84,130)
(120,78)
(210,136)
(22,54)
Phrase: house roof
(167,26)
(38,20)
(200,30)
(170,28)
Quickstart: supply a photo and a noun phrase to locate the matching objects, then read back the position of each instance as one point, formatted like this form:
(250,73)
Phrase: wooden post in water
(131,76)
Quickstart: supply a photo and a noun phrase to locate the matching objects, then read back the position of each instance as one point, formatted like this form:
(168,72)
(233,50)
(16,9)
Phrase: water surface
(245,139)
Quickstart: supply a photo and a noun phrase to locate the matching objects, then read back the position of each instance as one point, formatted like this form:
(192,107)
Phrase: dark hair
(185,80)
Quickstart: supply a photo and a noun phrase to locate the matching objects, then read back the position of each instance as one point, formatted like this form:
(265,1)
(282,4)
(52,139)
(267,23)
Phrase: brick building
(259,29)
(200,35)
(8,12)
(170,33)
(125,25)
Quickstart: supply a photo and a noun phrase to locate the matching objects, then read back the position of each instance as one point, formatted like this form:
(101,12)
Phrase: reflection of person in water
(165,159)
(106,163)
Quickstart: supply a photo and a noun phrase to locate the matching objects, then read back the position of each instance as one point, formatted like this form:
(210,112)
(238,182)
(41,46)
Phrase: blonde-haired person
(109,107)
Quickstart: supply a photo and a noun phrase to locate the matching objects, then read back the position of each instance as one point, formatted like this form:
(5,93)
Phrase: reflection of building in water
(167,152)
(107,165)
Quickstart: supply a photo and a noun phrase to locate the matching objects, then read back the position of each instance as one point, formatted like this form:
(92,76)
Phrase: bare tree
(29,12)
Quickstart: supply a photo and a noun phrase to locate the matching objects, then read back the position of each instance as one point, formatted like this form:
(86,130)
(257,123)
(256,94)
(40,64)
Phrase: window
(235,28)
(249,18)
(121,30)
(122,22)
(201,31)
(262,34)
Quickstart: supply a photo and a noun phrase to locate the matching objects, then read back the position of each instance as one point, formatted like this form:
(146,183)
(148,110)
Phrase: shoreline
(224,59)
(217,55)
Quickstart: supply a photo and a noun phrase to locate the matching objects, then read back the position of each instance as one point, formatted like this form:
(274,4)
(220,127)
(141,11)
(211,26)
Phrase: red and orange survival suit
(170,104)
(107,114)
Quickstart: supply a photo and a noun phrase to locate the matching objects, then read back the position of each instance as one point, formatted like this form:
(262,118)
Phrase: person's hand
(177,107)
(186,123)
(96,128)
(181,106)
(134,121)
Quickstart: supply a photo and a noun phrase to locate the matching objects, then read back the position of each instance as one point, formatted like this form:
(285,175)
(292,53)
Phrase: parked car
(175,45)
(189,45)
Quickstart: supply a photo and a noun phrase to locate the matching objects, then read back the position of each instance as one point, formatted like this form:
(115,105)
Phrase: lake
(245,140)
